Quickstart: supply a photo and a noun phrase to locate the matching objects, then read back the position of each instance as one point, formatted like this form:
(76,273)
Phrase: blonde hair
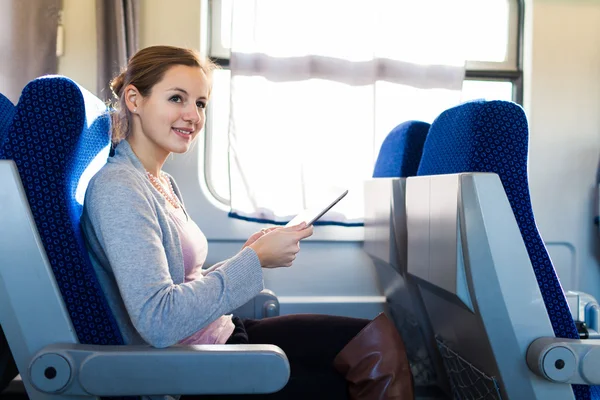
(144,70)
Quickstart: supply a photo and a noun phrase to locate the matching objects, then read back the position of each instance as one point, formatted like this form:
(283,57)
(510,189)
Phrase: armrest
(77,369)
(571,361)
(263,305)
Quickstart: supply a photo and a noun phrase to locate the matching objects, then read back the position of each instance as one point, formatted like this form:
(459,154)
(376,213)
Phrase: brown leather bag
(375,363)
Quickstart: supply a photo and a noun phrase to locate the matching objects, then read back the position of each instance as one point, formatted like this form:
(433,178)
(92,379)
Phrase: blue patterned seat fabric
(400,152)
(7,112)
(492,136)
(59,128)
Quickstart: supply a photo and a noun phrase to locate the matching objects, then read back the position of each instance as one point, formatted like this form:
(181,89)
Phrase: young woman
(148,253)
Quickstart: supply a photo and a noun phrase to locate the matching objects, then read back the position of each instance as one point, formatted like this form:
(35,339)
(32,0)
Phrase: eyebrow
(185,92)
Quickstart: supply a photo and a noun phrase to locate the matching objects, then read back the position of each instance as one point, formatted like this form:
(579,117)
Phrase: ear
(132,98)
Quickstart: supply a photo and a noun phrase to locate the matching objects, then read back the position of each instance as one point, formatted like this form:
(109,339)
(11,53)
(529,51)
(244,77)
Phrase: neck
(151,156)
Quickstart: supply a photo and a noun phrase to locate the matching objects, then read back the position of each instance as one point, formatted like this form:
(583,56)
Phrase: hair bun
(116,85)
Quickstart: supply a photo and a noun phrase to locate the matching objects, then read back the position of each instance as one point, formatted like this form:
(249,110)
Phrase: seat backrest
(400,152)
(492,136)
(7,112)
(59,130)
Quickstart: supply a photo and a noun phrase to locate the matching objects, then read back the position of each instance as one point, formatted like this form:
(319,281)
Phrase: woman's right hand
(279,247)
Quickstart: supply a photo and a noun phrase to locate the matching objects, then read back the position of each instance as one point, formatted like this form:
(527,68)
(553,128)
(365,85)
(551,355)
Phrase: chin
(178,146)
(180,149)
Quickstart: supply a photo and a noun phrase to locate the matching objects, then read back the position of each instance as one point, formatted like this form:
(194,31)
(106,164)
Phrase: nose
(192,114)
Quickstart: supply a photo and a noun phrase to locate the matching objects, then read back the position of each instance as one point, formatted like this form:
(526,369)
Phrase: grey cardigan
(135,250)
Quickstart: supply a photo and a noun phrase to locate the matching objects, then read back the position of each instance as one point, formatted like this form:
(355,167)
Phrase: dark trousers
(311,343)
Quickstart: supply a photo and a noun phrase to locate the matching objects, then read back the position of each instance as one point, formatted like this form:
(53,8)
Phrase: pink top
(195,250)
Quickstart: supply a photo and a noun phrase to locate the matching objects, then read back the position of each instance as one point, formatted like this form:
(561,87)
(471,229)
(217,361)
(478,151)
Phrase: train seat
(499,314)
(385,243)
(54,314)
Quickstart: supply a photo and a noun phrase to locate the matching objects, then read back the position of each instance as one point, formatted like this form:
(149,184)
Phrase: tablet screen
(310,215)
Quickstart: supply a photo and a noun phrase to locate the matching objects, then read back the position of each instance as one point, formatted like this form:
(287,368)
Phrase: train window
(493,71)
(488,90)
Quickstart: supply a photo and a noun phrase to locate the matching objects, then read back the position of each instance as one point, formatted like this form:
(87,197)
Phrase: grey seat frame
(481,295)
(386,244)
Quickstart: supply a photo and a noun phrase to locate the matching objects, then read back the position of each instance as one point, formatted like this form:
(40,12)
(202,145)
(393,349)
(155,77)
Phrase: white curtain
(317,85)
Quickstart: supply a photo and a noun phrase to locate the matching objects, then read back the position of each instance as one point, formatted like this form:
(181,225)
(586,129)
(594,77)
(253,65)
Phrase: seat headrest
(478,136)
(400,152)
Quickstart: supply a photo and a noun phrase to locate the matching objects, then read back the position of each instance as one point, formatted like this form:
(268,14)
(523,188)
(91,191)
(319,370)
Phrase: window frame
(207,161)
(511,70)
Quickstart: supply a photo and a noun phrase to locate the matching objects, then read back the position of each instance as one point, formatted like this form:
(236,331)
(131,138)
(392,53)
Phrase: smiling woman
(153,251)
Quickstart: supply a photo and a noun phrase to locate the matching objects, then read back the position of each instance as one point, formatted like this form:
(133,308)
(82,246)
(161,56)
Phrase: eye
(201,104)
(175,99)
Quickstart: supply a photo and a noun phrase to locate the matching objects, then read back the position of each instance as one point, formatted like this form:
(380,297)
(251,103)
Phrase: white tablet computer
(311,215)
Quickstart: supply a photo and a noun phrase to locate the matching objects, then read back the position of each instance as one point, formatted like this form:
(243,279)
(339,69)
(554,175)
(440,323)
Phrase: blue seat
(7,112)
(492,137)
(59,139)
(400,152)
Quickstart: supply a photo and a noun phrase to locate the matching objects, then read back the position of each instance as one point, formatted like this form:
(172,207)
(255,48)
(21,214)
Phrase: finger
(304,233)
(254,237)
(298,227)
(271,229)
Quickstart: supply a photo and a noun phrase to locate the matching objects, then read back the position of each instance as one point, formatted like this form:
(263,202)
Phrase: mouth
(183,132)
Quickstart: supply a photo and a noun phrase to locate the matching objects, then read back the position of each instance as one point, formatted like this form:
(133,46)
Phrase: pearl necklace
(171,197)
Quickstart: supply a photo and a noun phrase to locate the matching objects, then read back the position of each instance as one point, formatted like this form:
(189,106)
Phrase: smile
(186,133)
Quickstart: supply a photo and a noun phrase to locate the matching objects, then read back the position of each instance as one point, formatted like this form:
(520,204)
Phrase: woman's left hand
(258,235)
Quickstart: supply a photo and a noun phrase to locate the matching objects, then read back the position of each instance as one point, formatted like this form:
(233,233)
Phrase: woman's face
(173,114)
